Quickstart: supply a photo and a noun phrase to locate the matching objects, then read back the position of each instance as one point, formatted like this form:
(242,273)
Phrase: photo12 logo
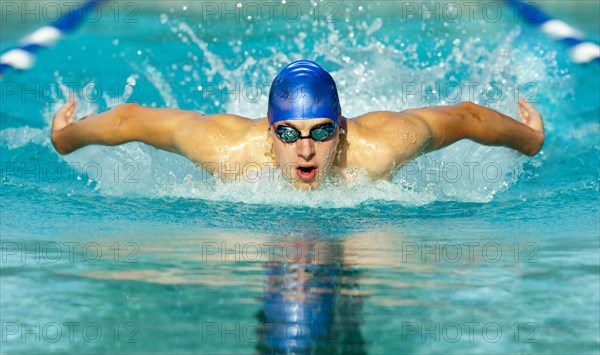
(52,92)
(470,252)
(68,252)
(271,332)
(72,332)
(455,92)
(53,172)
(453,172)
(289,252)
(270,11)
(453,332)
(459,11)
(45,12)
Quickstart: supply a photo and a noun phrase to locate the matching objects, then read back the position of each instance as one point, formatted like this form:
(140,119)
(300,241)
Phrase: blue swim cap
(303,90)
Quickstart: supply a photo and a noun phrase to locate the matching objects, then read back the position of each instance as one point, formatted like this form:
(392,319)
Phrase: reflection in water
(311,303)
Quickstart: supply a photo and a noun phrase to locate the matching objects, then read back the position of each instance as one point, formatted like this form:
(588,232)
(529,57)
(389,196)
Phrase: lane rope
(580,49)
(23,57)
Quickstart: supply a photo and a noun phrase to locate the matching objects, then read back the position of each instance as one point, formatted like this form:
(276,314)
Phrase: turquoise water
(467,250)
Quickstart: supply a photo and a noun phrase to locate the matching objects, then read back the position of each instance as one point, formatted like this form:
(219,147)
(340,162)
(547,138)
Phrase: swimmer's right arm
(123,124)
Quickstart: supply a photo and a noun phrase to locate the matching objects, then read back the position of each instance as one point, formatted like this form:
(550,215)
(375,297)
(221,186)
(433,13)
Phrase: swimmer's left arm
(466,120)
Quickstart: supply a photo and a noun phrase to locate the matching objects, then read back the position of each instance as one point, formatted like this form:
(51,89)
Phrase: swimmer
(304,133)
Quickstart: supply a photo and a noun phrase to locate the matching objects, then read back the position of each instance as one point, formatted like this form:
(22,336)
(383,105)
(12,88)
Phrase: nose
(305,148)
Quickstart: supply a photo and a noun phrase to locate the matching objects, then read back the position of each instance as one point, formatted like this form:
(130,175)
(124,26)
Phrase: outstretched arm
(125,123)
(382,142)
(220,139)
(449,124)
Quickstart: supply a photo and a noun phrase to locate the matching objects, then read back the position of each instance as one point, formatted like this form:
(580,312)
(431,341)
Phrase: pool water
(470,249)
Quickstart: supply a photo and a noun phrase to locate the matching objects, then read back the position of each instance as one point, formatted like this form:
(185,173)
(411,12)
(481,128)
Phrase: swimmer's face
(305,162)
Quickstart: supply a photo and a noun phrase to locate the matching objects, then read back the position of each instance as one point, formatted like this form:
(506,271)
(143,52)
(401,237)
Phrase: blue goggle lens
(289,134)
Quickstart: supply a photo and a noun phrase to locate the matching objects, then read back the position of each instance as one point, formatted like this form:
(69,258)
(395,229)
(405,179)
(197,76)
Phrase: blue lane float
(580,49)
(23,57)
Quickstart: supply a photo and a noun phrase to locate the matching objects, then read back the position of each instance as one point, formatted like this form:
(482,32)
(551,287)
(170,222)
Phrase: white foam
(14,138)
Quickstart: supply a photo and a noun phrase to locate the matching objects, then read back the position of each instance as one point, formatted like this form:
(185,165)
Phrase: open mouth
(306,173)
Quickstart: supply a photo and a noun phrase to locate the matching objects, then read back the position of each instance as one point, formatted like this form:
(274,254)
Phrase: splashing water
(360,56)
(135,201)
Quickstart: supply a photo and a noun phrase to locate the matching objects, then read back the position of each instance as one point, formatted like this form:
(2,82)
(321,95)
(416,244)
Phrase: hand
(531,118)
(62,119)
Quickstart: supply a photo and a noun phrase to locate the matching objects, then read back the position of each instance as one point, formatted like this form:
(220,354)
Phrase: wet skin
(305,162)
(378,142)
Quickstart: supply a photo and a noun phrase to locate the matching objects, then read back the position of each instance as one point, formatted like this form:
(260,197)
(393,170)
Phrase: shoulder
(212,138)
(223,125)
(388,123)
(388,127)
(382,141)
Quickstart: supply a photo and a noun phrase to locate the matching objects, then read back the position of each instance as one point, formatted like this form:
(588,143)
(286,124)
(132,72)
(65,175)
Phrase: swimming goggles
(321,133)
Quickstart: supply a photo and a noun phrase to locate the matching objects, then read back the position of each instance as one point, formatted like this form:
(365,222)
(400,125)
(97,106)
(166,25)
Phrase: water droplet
(164,18)
(132,80)
(184,8)
(139,52)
